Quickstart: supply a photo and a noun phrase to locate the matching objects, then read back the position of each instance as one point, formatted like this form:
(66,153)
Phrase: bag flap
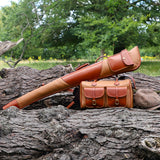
(116,91)
(126,58)
(93,92)
(120,61)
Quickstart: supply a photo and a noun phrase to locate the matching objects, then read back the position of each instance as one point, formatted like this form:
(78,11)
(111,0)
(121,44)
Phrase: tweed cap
(146,98)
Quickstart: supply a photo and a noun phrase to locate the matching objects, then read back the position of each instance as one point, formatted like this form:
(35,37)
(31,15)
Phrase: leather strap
(154,108)
(100,58)
(132,79)
(71,104)
(82,66)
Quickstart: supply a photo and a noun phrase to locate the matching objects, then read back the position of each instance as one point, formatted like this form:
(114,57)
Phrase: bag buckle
(116,102)
(93,102)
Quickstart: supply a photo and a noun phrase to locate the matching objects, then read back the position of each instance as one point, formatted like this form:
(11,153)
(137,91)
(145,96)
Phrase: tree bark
(57,133)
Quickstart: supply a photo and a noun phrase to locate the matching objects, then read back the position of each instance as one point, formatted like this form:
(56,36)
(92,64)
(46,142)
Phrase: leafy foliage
(66,29)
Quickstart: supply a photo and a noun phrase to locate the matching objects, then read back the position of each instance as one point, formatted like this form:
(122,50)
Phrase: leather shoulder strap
(130,77)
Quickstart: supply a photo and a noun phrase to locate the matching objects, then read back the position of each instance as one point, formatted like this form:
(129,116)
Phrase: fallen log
(54,132)
(57,133)
(145,81)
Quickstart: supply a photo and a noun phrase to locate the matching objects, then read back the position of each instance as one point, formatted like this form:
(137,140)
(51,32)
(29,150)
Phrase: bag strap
(82,66)
(86,64)
(100,58)
(71,104)
(154,108)
(75,99)
(130,77)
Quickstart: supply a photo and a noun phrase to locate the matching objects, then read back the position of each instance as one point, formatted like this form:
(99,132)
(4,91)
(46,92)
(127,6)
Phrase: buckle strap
(71,104)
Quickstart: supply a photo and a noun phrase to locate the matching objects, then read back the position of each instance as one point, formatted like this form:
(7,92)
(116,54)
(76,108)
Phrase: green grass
(151,68)
(40,65)
(49,64)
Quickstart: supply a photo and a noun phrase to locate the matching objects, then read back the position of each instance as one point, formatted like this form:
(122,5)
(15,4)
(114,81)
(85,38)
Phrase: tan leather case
(106,94)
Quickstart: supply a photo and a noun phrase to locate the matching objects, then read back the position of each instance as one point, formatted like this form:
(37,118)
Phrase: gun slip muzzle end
(53,87)
(12,103)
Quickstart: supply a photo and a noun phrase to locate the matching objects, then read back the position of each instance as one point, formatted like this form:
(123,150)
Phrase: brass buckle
(116,102)
(93,102)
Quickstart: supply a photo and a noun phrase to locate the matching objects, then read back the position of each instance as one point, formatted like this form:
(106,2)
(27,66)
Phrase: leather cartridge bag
(104,93)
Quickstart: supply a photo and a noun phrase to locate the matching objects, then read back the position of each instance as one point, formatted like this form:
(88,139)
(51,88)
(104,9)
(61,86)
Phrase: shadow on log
(60,134)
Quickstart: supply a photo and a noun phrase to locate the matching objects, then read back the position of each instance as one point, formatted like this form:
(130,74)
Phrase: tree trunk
(119,46)
(58,133)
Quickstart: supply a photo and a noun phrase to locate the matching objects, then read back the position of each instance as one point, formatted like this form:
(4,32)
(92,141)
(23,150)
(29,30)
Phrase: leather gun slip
(125,61)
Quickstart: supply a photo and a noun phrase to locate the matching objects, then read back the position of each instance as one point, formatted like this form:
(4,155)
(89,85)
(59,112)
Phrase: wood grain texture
(58,133)
(51,131)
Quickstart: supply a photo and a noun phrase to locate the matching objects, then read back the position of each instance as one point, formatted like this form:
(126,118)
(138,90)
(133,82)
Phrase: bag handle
(81,66)
(130,77)
(100,58)
(86,64)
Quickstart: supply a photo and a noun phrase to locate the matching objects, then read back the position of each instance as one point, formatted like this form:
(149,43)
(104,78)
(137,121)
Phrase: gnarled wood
(145,81)
(54,132)
(7,45)
(57,133)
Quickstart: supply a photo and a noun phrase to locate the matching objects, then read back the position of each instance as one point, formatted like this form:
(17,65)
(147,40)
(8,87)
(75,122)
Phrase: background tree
(20,20)
(80,28)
